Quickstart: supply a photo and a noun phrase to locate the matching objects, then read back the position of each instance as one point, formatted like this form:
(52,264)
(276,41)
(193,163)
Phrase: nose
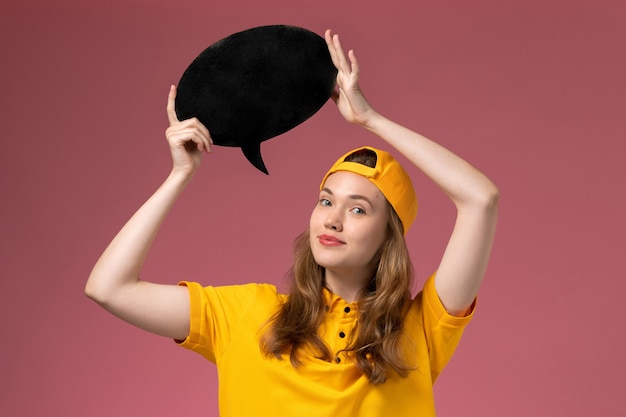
(333,221)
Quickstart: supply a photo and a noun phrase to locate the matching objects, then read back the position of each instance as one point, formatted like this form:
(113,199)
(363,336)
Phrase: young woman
(347,340)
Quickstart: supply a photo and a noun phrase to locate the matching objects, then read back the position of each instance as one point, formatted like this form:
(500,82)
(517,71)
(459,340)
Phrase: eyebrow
(352,196)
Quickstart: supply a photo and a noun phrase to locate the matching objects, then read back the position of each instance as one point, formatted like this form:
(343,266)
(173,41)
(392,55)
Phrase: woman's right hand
(187,139)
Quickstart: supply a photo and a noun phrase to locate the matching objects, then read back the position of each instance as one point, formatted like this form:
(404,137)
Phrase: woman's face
(348,224)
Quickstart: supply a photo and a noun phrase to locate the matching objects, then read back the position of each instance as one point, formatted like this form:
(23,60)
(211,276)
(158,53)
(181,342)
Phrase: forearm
(465,259)
(460,181)
(121,262)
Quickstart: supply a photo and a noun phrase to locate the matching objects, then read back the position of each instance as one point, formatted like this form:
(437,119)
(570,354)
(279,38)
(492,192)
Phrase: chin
(326,261)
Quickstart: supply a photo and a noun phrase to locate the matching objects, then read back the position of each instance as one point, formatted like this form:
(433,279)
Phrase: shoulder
(251,290)
(241,295)
(427,307)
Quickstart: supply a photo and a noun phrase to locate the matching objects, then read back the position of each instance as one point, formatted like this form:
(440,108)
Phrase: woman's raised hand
(349,98)
(187,139)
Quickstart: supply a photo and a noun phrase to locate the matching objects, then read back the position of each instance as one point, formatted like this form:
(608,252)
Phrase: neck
(346,284)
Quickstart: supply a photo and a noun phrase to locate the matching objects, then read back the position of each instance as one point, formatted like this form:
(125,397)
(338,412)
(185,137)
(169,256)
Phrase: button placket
(340,320)
(345,316)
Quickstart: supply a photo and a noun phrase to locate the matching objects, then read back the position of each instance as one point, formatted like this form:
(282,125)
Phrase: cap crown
(389,177)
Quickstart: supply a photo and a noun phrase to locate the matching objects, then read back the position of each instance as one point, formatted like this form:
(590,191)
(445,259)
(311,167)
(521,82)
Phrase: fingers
(171,106)
(338,56)
(354,63)
(334,54)
(190,130)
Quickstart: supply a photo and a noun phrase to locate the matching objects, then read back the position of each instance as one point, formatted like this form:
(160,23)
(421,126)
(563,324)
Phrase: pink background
(530,91)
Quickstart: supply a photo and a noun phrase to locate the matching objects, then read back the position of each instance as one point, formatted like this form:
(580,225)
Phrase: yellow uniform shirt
(225,324)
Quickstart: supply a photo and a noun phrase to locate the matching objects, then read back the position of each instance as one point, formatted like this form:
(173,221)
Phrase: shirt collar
(333,302)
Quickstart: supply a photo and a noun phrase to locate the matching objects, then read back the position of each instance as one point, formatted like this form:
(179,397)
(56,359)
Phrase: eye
(324,202)
(358,210)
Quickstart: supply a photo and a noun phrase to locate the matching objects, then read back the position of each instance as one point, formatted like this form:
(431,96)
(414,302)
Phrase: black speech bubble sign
(257,84)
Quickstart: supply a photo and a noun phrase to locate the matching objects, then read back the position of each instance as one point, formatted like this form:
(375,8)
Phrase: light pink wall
(531,92)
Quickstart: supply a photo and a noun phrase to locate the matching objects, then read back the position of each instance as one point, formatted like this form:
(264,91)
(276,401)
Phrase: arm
(465,259)
(115,282)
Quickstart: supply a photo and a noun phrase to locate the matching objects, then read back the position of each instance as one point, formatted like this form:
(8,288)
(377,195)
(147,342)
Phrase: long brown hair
(382,305)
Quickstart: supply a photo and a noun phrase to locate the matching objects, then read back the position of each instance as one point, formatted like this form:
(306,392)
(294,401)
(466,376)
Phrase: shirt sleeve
(214,313)
(443,331)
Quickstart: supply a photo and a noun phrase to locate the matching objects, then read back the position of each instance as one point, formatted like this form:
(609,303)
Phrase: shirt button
(347,309)
(337,359)
(342,334)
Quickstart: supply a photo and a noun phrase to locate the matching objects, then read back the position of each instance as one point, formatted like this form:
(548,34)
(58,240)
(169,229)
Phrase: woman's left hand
(349,98)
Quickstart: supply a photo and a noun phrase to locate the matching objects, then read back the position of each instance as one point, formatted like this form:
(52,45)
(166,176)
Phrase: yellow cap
(389,177)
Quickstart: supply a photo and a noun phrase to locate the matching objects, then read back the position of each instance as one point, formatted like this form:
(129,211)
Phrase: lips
(328,240)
